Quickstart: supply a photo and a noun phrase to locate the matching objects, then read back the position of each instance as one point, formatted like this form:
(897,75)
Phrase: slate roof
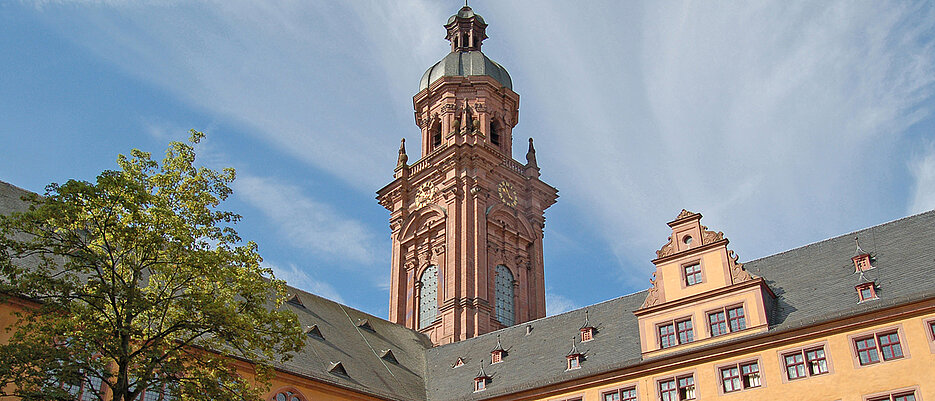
(358,349)
(813,283)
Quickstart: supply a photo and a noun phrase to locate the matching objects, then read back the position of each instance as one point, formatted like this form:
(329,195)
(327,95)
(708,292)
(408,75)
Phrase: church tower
(466,218)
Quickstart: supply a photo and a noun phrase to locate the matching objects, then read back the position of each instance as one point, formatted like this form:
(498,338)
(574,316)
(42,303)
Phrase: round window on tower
(687,239)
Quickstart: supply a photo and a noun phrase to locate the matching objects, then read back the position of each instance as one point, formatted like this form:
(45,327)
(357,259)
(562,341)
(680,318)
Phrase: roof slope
(813,283)
(358,349)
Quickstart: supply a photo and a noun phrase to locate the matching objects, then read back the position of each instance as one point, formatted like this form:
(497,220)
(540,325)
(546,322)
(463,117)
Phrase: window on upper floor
(871,348)
(897,396)
(587,334)
(805,363)
(677,388)
(740,376)
(621,394)
(931,327)
(726,320)
(692,274)
(675,332)
(574,362)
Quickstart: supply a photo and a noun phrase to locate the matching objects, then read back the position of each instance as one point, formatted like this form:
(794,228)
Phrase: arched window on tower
(494,132)
(504,295)
(436,132)
(428,299)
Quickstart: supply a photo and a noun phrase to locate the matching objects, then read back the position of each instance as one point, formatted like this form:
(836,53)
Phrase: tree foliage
(139,281)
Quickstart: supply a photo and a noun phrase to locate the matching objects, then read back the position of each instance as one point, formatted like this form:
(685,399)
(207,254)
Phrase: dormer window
(480,384)
(861,263)
(587,334)
(459,363)
(866,291)
(496,357)
(587,330)
(497,353)
(574,357)
(692,273)
(574,362)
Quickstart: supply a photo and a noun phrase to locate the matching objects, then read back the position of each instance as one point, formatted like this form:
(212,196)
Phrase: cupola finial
(466,30)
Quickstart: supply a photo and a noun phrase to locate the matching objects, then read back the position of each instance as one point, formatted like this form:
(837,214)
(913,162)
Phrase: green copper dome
(464,64)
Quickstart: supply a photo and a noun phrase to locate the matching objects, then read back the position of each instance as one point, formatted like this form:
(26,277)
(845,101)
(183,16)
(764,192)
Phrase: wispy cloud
(306,223)
(300,278)
(555,303)
(310,78)
(923,189)
(768,117)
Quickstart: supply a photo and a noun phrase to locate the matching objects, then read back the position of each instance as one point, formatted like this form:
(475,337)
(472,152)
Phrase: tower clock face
(507,194)
(425,195)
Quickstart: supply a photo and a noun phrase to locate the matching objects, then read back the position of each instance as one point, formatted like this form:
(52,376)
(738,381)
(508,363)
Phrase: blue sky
(784,123)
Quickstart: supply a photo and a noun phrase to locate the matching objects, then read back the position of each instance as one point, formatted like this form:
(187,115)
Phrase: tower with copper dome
(467,219)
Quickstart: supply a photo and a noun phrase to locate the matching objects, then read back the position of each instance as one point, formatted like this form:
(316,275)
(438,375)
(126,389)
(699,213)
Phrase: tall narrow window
(504,295)
(428,301)
(495,132)
(436,133)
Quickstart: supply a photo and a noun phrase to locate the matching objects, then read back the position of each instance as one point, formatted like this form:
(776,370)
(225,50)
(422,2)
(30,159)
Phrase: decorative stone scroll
(685,213)
(708,237)
(737,273)
(652,298)
(666,250)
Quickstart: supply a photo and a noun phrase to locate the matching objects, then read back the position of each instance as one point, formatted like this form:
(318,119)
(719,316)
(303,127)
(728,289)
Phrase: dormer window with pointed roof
(481,380)
(574,357)
(459,363)
(861,259)
(866,291)
(587,330)
(365,324)
(497,354)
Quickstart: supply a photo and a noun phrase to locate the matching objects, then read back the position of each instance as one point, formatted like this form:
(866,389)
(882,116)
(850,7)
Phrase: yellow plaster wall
(847,381)
(754,314)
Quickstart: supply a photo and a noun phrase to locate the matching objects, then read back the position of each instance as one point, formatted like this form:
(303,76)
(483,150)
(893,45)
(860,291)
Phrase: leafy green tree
(139,282)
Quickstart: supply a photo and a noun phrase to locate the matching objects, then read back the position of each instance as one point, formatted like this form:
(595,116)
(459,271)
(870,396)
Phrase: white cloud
(781,121)
(307,223)
(556,304)
(300,278)
(923,170)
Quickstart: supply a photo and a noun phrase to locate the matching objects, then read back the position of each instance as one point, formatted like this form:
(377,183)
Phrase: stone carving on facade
(652,298)
(708,236)
(448,108)
(737,273)
(666,250)
(439,249)
(685,213)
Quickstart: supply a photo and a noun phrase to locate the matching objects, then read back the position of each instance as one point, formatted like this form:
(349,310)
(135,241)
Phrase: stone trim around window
(802,349)
(891,394)
(658,381)
(758,360)
(875,333)
(675,333)
(684,279)
(634,386)
(724,309)
(929,327)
